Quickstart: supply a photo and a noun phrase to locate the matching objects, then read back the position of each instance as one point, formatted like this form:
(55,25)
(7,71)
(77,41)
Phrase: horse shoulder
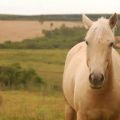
(74,50)
(116,74)
(71,64)
(116,64)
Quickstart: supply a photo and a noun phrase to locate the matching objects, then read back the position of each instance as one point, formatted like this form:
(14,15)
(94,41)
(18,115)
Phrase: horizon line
(56,14)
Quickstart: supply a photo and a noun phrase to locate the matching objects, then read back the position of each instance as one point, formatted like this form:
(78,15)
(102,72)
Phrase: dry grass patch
(30,106)
(19,30)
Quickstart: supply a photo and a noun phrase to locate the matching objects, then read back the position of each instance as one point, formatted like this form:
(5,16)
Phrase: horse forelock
(99,28)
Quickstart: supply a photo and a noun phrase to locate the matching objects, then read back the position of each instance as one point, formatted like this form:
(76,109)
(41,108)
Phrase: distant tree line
(64,17)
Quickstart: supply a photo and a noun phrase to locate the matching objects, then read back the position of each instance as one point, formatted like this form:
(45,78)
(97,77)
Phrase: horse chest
(100,114)
(106,108)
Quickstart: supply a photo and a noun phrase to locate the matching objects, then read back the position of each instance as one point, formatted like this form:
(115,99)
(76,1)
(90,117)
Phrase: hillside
(14,30)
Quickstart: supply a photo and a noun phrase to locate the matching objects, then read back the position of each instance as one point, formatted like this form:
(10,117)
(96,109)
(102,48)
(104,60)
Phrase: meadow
(48,64)
(46,56)
(44,104)
(24,105)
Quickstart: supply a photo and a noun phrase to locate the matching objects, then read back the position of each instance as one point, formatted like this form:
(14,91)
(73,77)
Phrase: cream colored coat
(86,102)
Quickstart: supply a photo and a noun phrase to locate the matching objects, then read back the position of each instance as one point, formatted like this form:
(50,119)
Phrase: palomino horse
(91,81)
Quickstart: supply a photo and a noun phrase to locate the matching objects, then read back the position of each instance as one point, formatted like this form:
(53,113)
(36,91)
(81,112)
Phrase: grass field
(19,105)
(15,30)
(48,64)
(47,104)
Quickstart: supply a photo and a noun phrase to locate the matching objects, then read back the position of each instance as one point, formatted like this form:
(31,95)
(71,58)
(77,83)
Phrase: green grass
(47,104)
(49,64)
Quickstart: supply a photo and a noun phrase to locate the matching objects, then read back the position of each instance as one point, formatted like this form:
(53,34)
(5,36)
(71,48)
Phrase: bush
(15,77)
(59,38)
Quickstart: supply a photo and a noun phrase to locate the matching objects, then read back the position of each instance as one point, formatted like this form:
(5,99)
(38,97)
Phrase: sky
(40,7)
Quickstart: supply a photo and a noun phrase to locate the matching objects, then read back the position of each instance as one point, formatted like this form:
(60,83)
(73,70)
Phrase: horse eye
(86,42)
(111,44)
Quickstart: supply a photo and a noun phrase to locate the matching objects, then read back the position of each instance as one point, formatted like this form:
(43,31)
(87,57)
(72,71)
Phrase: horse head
(100,40)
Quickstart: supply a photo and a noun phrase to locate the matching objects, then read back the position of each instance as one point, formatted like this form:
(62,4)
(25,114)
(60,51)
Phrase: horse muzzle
(96,80)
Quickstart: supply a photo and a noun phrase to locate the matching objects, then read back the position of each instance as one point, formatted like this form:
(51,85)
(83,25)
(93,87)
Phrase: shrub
(15,77)
(58,38)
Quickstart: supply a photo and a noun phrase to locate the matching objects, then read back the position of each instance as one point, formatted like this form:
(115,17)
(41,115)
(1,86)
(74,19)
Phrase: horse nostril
(101,77)
(91,77)
(96,79)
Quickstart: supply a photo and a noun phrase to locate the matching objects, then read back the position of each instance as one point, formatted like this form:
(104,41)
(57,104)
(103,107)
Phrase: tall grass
(19,105)
(48,64)
(45,104)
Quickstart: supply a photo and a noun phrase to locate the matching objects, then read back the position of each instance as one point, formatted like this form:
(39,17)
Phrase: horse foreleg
(70,113)
(80,117)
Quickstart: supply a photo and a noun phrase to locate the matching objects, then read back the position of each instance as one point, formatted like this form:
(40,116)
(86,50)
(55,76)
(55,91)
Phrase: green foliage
(58,38)
(15,77)
(48,64)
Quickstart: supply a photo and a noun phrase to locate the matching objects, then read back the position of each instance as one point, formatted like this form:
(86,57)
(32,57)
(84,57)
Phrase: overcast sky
(29,7)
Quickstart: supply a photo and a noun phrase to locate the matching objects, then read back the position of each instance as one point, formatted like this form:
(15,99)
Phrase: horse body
(81,99)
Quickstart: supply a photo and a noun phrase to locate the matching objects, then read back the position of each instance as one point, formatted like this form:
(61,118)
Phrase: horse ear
(86,21)
(113,20)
